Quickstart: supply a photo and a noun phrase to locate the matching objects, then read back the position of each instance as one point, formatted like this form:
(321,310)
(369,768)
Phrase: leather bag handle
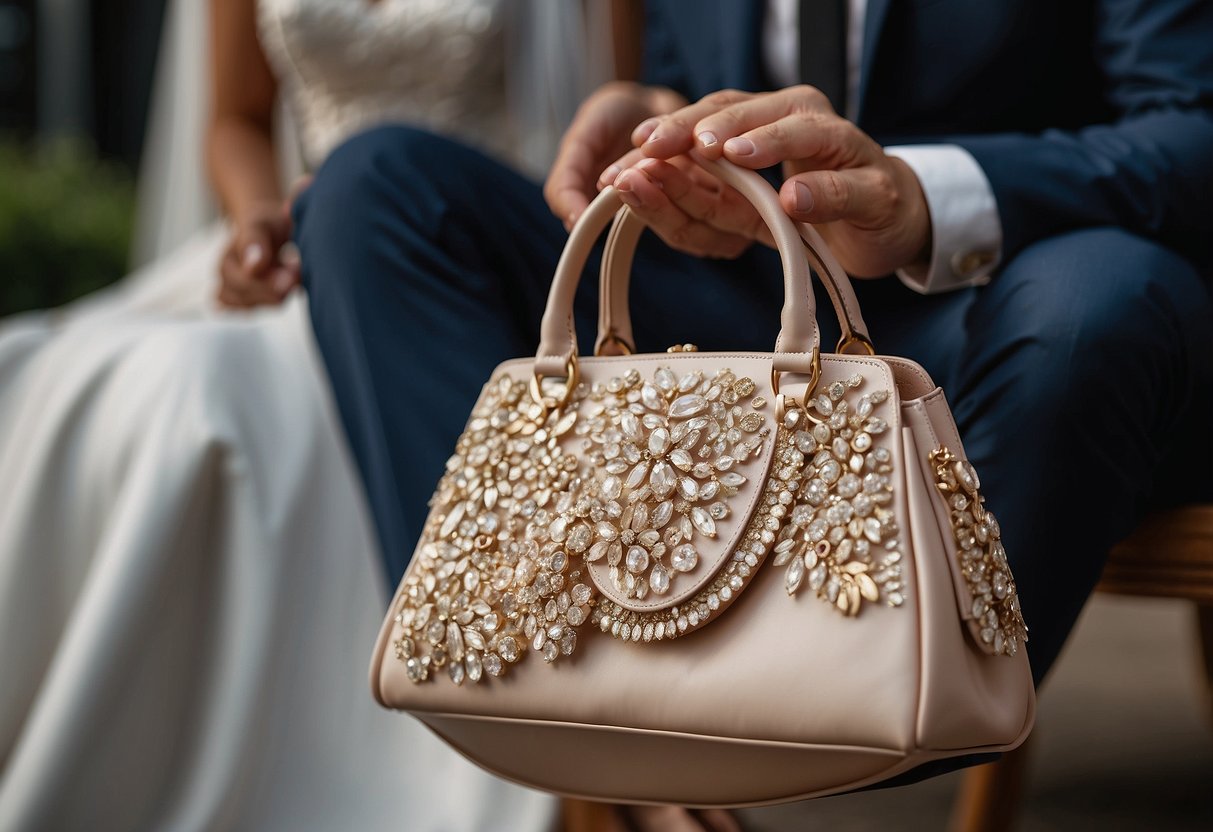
(614,319)
(798,345)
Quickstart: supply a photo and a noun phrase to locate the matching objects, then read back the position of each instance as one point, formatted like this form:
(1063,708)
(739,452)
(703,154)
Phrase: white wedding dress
(189,587)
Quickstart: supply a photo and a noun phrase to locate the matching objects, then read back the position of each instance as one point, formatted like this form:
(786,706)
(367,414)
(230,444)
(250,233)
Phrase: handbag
(708,578)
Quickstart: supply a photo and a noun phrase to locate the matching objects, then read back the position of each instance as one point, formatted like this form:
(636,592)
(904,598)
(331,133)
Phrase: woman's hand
(256,269)
(869,207)
(601,132)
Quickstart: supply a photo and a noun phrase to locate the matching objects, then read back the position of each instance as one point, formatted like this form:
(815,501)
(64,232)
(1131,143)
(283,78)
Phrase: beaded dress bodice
(349,65)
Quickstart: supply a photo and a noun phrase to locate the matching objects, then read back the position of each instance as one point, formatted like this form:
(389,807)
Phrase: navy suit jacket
(1080,112)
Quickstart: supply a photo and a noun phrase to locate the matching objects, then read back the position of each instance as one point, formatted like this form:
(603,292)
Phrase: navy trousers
(1080,377)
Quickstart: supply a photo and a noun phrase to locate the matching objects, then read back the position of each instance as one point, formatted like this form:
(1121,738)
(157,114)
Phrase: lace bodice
(348,65)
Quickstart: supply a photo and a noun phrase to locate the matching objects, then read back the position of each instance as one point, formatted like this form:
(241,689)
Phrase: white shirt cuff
(966,231)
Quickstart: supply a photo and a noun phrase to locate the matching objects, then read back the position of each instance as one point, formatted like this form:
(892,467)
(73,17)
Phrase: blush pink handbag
(712,579)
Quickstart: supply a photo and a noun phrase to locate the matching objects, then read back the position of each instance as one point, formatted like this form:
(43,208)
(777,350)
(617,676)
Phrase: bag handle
(615,321)
(797,349)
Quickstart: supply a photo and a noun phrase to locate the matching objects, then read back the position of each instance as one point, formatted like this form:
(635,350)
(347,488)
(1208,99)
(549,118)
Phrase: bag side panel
(969,698)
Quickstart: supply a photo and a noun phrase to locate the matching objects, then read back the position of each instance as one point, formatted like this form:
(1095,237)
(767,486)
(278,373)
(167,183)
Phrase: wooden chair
(1169,556)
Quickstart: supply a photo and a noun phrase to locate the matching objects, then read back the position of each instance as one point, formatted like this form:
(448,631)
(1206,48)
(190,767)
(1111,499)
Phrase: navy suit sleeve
(1150,170)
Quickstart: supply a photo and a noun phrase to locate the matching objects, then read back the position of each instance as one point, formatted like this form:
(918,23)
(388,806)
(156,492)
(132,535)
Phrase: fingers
(612,171)
(714,131)
(674,134)
(811,140)
(250,276)
(757,131)
(647,198)
(570,184)
(599,133)
(254,246)
(705,198)
(241,288)
(864,197)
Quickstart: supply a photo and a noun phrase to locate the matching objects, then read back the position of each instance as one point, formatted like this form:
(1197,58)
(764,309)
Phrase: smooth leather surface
(546,754)
(614,316)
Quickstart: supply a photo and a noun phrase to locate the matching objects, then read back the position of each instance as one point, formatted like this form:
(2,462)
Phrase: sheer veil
(557,51)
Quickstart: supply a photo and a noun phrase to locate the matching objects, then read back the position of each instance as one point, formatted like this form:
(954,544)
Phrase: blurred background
(74,91)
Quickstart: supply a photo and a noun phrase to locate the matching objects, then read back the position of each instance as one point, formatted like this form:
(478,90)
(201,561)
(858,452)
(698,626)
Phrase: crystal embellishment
(497,571)
(841,539)
(995,618)
(664,450)
(636,474)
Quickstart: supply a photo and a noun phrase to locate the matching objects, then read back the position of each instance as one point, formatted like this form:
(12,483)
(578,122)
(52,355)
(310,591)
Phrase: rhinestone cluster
(639,473)
(841,536)
(759,534)
(665,451)
(492,580)
(996,616)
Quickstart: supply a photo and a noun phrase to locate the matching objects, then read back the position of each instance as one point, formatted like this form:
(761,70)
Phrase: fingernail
(253,255)
(649,168)
(624,187)
(739,146)
(645,129)
(803,198)
(608,175)
(707,139)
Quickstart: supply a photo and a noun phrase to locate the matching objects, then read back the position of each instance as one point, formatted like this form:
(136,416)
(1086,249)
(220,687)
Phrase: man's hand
(869,207)
(599,134)
(254,270)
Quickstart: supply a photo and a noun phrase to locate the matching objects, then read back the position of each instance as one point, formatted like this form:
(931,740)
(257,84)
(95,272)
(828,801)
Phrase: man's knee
(1099,299)
(373,172)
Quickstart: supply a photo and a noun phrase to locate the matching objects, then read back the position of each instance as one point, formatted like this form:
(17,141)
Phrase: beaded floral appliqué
(667,450)
(996,614)
(638,473)
(841,538)
(491,580)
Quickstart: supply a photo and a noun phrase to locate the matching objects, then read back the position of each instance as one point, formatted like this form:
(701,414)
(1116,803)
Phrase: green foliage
(65,224)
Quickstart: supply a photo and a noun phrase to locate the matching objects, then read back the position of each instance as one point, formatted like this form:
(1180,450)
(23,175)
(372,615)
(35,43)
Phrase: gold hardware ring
(572,376)
(855,338)
(612,338)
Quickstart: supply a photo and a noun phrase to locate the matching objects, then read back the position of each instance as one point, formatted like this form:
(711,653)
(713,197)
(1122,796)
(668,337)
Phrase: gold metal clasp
(847,341)
(572,377)
(782,401)
(613,338)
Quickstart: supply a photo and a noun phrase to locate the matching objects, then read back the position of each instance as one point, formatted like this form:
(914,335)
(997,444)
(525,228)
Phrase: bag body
(712,579)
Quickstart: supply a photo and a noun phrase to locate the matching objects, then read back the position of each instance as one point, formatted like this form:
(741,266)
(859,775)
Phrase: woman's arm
(627,38)
(239,142)
(241,160)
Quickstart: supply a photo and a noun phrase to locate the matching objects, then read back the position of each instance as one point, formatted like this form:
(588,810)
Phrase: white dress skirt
(189,584)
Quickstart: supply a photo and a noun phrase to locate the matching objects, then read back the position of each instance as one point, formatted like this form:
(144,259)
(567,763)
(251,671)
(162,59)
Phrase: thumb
(820,196)
(254,249)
